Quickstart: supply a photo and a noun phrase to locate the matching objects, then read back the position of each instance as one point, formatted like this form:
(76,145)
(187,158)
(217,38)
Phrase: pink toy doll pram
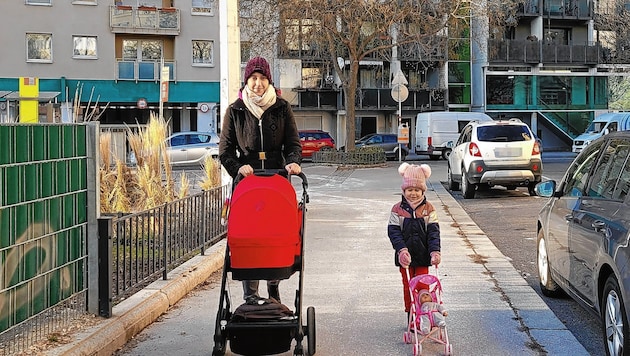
(435,333)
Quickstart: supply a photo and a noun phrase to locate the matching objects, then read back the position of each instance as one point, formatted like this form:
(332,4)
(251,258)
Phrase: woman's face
(257,83)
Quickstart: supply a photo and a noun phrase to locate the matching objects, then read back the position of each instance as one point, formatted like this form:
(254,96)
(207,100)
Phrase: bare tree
(612,19)
(342,33)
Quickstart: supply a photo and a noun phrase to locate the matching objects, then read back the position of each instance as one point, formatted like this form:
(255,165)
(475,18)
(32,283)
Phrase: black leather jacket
(241,143)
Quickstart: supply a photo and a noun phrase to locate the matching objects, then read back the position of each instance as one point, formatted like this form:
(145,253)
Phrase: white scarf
(258,104)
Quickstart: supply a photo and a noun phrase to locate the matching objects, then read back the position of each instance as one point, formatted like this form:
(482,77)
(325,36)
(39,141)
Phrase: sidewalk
(492,310)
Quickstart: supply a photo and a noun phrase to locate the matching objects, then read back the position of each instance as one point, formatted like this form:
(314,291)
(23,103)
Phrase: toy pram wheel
(310,330)
(417,349)
(407,337)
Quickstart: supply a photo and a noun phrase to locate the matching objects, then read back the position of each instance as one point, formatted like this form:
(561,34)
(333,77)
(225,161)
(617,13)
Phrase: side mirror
(546,188)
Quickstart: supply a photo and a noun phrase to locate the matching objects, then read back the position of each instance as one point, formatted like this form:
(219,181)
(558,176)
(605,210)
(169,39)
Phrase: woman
(259,132)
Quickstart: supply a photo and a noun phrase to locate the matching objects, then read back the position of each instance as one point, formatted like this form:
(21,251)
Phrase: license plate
(507,152)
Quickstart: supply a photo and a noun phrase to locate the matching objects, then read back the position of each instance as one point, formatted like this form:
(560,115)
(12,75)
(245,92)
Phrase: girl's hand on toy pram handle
(436,258)
(404,257)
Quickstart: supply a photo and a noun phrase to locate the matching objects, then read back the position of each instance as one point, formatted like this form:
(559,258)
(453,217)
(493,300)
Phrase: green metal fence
(43,228)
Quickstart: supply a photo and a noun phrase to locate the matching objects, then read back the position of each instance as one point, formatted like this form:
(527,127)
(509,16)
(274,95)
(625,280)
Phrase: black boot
(274,292)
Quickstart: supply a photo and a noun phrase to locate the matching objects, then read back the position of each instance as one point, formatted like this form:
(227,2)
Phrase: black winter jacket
(240,142)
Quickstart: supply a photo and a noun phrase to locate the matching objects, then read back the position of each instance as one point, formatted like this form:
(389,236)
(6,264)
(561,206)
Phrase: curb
(140,310)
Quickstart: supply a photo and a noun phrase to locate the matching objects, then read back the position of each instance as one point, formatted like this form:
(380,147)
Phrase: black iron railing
(143,247)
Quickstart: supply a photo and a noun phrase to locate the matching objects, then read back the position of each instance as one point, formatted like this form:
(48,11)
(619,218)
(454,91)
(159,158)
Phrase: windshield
(596,126)
(503,133)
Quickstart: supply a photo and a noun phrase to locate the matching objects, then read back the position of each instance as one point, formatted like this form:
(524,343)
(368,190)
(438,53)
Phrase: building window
(246,51)
(246,8)
(202,53)
(39,47)
(38,2)
(84,2)
(84,47)
(203,7)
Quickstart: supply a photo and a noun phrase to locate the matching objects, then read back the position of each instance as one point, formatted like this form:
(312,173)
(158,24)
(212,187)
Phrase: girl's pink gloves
(436,258)
(404,258)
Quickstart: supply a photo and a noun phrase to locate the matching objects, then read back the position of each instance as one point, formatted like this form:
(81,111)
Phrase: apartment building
(105,57)
(550,69)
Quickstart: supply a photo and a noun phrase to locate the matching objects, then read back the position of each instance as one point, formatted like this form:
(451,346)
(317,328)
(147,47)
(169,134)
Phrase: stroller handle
(270,172)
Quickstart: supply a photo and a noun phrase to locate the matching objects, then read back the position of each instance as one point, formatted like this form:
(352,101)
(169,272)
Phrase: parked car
(491,153)
(389,143)
(189,148)
(583,233)
(315,140)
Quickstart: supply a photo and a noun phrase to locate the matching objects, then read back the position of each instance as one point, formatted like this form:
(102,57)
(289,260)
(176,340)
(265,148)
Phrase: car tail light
(473,150)
(430,141)
(536,149)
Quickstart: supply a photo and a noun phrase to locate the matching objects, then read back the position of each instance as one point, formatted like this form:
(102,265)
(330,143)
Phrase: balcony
(528,8)
(371,99)
(434,52)
(143,70)
(144,20)
(535,52)
(568,9)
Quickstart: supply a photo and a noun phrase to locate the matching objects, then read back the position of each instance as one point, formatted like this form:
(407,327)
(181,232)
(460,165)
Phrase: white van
(437,132)
(602,125)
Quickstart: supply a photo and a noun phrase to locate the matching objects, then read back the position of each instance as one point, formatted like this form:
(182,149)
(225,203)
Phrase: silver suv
(493,153)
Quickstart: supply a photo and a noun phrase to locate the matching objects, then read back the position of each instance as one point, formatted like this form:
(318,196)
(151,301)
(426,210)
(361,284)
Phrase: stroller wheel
(448,349)
(407,337)
(310,326)
(417,349)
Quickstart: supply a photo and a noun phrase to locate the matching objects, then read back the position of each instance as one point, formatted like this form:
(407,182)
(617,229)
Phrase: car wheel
(614,321)
(548,286)
(452,185)
(446,153)
(531,189)
(468,189)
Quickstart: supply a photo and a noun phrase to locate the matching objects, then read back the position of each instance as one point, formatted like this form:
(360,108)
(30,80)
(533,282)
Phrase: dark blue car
(583,236)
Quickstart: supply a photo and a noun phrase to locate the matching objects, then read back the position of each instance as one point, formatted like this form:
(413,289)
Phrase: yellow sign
(164,84)
(403,133)
(29,102)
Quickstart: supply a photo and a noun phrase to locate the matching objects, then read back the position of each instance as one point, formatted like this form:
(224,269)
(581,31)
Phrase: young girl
(413,228)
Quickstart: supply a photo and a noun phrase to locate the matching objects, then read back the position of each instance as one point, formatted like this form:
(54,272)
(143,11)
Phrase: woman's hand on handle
(293,168)
(246,170)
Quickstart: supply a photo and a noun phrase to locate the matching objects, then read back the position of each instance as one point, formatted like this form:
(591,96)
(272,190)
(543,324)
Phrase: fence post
(93,210)
(165,240)
(105,266)
(204,226)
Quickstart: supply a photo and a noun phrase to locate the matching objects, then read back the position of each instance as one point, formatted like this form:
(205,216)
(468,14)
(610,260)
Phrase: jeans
(250,289)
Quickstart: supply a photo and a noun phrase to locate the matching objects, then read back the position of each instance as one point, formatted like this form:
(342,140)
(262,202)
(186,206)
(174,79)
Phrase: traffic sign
(400,93)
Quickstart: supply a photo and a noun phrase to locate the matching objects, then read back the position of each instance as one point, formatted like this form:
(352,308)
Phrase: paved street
(352,283)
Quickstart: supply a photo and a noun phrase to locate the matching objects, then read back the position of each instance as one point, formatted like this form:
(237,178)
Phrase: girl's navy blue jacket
(418,230)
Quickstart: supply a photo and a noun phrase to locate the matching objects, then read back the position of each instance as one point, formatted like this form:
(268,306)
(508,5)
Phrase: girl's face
(413,193)
(257,83)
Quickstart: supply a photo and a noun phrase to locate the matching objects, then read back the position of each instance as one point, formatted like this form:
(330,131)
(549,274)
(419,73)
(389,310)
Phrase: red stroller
(435,332)
(265,234)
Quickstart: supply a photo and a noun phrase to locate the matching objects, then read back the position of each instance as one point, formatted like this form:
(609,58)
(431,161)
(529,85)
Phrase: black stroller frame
(266,337)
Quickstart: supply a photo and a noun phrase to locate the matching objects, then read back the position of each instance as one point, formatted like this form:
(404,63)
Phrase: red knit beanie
(257,64)
(414,175)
